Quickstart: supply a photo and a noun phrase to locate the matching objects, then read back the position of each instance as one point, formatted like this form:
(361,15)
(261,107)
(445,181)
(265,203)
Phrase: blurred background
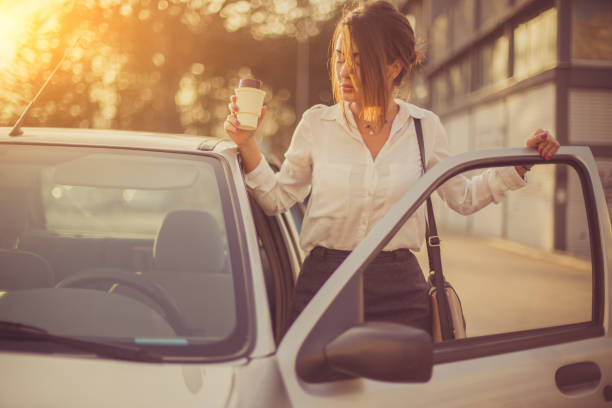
(163,65)
(494,70)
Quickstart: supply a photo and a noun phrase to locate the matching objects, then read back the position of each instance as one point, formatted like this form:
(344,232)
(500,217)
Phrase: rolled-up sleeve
(276,193)
(467,196)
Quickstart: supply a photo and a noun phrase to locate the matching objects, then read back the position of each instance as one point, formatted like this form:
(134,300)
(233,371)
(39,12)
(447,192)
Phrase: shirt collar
(410,109)
(334,113)
(406,111)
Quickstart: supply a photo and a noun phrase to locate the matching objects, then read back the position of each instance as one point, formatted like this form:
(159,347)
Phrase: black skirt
(394,287)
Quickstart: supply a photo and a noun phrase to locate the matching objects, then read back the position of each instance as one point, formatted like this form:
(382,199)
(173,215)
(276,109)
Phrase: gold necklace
(371,130)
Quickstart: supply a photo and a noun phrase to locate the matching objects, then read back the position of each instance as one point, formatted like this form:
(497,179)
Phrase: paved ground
(506,286)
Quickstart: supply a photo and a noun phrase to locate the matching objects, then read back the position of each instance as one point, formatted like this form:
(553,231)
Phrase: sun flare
(15,21)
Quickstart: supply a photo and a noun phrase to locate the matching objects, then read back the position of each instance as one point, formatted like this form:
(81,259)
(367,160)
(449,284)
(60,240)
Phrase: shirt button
(370,194)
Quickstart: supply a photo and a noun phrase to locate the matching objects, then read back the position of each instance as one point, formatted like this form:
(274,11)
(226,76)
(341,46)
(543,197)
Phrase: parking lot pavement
(505,286)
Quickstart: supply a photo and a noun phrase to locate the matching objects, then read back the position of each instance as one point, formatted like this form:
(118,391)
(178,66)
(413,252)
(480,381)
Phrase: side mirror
(382,351)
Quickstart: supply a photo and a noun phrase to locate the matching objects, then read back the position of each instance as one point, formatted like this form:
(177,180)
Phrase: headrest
(13,216)
(190,240)
(24,270)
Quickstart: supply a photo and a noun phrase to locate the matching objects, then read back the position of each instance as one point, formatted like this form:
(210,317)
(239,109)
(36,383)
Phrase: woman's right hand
(231,124)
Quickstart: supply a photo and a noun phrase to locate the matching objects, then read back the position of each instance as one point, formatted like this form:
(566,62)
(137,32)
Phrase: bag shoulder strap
(432,240)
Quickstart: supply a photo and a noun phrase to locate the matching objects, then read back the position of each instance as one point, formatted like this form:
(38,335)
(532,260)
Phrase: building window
(490,11)
(535,44)
(439,37)
(440,91)
(416,17)
(459,76)
(592,30)
(462,15)
(493,59)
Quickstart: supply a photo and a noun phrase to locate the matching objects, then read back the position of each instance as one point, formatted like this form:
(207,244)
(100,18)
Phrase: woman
(358,157)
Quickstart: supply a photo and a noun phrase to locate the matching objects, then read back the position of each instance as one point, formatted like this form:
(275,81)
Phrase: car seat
(19,269)
(190,241)
(190,262)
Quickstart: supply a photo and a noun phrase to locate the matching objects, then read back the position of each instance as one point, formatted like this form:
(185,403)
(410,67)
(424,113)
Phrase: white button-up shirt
(351,191)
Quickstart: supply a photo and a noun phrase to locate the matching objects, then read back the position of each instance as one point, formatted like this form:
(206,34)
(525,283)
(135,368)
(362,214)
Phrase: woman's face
(346,75)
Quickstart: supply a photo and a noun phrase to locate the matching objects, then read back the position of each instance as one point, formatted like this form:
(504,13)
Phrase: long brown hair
(382,35)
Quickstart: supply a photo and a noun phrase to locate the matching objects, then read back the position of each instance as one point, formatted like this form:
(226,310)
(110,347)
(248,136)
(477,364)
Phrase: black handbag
(448,321)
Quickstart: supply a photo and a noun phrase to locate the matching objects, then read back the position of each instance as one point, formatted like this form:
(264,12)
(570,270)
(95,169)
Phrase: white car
(185,301)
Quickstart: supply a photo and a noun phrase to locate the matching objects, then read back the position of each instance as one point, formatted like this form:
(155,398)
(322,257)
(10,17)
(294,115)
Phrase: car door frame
(283,262)
(326,316)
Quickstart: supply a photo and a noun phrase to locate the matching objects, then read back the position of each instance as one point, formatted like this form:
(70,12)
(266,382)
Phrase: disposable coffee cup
(249,98)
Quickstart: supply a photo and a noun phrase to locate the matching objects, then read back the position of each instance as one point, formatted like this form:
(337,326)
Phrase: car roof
(117,138)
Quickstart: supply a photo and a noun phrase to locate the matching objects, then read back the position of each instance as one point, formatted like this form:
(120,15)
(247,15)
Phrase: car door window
(528,269)
(524,263)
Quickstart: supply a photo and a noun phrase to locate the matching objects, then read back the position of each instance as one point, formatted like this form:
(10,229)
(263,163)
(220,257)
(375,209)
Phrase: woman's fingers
(544,142)
(230,125)
(543,150)
(264,109)
(550,149)
(232,120)
(233,108)
(538,137)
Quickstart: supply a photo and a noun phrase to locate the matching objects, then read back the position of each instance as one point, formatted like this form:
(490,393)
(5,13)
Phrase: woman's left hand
(546,144)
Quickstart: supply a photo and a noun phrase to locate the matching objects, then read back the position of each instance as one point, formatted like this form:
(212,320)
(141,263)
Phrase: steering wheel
(139,282)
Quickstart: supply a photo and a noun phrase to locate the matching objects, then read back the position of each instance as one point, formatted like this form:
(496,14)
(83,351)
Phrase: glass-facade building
(496,70)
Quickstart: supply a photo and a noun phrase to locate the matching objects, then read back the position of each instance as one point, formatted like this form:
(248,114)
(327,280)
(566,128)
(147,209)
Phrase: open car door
(532,273)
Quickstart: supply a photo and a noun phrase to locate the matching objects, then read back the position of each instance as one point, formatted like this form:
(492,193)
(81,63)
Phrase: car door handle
(576,378)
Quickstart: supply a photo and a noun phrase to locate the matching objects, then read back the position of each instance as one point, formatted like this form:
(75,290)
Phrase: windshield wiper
(20,331)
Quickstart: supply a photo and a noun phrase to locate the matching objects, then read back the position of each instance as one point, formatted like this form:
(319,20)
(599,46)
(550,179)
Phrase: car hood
(60,381)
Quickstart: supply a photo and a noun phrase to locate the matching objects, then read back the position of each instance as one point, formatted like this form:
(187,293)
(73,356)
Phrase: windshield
(121,246)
